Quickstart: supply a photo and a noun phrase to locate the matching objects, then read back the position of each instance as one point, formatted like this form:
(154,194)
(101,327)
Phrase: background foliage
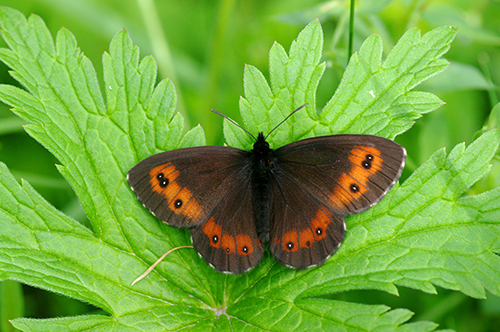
(203,46)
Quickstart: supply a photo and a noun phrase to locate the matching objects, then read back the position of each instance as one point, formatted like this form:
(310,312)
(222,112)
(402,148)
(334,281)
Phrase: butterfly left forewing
(182,187)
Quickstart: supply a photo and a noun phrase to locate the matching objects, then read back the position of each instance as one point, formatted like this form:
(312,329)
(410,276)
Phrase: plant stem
(161,49)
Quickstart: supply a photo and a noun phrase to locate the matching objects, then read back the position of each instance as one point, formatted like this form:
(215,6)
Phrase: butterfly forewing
(347,173)
(316,182)
(182,187)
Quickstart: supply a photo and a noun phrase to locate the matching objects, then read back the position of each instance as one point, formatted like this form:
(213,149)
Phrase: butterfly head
(260,142)
(260,146)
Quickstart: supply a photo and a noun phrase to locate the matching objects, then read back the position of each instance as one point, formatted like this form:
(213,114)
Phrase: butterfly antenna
(234,122)
(289,115)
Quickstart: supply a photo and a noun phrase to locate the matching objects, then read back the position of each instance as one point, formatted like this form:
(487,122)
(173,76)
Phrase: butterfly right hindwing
(303,231)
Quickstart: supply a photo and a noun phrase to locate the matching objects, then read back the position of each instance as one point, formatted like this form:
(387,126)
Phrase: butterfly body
(295,197)
(262,162)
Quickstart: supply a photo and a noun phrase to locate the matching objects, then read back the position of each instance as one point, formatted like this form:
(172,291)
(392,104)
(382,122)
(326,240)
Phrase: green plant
(422,234)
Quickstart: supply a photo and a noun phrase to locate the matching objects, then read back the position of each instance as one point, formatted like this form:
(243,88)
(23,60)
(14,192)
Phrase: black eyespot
(215,239)
(366,164)
(163,181)
(369,157)
(319,231)
(354,188)
(245,249)
(178,203)
(227,250)
(308,243)
(289,245)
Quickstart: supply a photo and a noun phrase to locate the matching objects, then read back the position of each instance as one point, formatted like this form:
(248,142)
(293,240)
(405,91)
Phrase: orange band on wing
(228,244)
(290,241)
(320,224)
(243,242)
(226,241)
(366,161)
(214,232)
(358,155)
(180,200)
(306,236)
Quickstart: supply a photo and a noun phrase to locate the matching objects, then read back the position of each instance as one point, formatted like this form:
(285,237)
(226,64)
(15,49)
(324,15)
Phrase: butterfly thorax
(262,158)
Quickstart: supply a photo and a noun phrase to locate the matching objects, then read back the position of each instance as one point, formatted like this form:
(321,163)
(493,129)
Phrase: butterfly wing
(318,181)
(204,188)
(228,239)
(303,231)
(181,187)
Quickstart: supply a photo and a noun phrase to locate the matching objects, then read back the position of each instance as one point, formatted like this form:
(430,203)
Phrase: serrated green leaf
(422,234)
(374,97)
(371,98)
(93,322)
(294,79)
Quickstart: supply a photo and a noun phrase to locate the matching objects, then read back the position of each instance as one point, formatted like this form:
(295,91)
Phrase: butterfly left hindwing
(206,188)
(228,239)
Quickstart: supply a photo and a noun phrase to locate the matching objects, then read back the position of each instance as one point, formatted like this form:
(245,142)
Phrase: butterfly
(294,198)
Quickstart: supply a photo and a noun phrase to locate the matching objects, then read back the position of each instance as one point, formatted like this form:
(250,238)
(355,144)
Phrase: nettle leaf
(424,233)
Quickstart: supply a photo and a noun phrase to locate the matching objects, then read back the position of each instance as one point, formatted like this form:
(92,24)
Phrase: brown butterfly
(294,197)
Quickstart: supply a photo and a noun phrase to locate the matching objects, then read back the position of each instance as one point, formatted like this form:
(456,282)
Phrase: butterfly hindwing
(317,182)
(303,231)
(228,238)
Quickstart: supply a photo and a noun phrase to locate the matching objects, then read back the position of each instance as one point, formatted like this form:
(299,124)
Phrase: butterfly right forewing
(328,166)
(318,181)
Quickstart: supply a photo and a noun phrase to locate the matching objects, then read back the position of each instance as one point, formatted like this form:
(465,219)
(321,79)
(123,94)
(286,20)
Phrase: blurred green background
(203,46)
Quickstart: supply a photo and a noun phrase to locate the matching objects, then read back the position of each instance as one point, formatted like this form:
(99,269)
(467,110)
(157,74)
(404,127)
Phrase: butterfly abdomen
(262,206)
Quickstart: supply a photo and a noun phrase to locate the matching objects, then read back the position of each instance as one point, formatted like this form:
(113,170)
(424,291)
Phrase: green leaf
(422,234)
(294,79)
(458,77)
(374,97)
